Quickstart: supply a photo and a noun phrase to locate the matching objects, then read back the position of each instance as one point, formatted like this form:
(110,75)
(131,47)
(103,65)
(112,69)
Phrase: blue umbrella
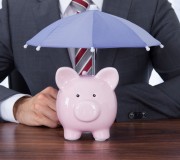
(93,29)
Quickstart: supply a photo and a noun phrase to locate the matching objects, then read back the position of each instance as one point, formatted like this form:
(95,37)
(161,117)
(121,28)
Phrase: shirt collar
(65,3)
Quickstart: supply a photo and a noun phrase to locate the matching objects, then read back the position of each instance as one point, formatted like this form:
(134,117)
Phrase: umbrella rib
(140,37)
(51,32)
(48,35)
(134,33)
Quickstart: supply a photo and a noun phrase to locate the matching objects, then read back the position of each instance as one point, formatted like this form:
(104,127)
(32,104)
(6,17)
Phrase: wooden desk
(130,140)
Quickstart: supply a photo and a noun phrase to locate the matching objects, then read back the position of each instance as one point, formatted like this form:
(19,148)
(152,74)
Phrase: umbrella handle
(93,50)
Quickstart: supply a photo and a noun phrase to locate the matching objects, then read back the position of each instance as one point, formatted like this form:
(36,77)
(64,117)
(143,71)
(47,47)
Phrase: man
(21,20)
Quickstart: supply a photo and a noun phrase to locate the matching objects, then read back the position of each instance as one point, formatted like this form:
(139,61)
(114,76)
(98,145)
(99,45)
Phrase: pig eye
(77,95)
(94,95)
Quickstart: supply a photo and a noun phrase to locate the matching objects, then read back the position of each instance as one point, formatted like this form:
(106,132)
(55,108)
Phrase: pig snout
(87,111)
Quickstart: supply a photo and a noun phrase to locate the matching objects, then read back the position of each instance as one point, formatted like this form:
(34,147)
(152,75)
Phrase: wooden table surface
(129,140)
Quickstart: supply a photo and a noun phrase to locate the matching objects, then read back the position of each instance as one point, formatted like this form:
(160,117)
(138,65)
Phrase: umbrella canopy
(93,29)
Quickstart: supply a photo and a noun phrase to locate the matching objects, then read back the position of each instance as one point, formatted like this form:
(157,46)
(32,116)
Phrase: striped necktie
(83,56)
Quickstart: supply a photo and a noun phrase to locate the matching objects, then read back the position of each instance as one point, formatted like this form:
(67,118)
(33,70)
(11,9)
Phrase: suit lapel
(120,8)
(117,7)
(45,13)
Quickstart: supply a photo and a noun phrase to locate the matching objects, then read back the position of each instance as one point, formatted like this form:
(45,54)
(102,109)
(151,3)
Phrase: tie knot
(81,5)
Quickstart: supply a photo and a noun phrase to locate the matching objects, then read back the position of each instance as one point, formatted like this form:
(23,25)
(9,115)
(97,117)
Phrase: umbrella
(96,29)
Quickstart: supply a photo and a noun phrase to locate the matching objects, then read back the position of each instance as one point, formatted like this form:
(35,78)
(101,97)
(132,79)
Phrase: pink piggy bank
(86,103)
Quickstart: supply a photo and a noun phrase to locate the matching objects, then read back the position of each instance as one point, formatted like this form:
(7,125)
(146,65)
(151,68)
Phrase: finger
(47,112)
(43,120)
(51,92)
(51,102)
(43,99)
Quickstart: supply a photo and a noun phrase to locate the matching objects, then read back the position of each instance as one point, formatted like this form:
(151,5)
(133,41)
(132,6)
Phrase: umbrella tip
(25,46)
(38,48)
(147,48)
(162,46)
(92,49)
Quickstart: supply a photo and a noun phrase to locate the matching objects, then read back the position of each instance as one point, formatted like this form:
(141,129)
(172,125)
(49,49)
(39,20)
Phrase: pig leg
(71,134)
(101,135)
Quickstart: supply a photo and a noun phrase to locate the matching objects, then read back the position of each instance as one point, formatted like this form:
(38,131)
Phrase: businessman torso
(23,19)
(26,18)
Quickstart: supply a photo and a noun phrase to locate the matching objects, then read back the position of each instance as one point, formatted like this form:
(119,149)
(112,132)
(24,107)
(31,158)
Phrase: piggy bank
(86,103)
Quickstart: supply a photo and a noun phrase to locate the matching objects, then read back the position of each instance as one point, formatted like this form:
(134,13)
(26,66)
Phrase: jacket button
(144,115)
(131,115)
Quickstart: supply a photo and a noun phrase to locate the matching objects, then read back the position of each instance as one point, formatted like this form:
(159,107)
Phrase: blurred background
(155,78)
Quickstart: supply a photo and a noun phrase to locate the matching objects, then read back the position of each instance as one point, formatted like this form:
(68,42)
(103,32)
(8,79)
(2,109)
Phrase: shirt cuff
(6,107)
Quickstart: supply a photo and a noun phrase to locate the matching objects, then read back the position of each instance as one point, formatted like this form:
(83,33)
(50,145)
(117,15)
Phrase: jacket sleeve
(6,54)
(161,101)
(166,61)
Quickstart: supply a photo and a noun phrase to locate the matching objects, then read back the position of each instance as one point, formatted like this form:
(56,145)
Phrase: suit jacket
(21,20)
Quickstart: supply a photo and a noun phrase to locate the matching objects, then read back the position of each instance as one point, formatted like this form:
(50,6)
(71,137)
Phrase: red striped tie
(83,56)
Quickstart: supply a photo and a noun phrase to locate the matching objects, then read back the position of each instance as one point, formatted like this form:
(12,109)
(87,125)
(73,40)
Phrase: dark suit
(22,19)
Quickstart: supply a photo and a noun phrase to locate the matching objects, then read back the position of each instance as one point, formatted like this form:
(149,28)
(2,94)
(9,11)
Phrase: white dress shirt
(6,106)
(176,6)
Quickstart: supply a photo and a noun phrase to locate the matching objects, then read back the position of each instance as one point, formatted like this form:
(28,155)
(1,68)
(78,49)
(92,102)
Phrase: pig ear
(64,75)
(110,75)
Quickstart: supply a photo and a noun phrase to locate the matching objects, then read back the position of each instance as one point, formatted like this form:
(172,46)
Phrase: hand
(38,110)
